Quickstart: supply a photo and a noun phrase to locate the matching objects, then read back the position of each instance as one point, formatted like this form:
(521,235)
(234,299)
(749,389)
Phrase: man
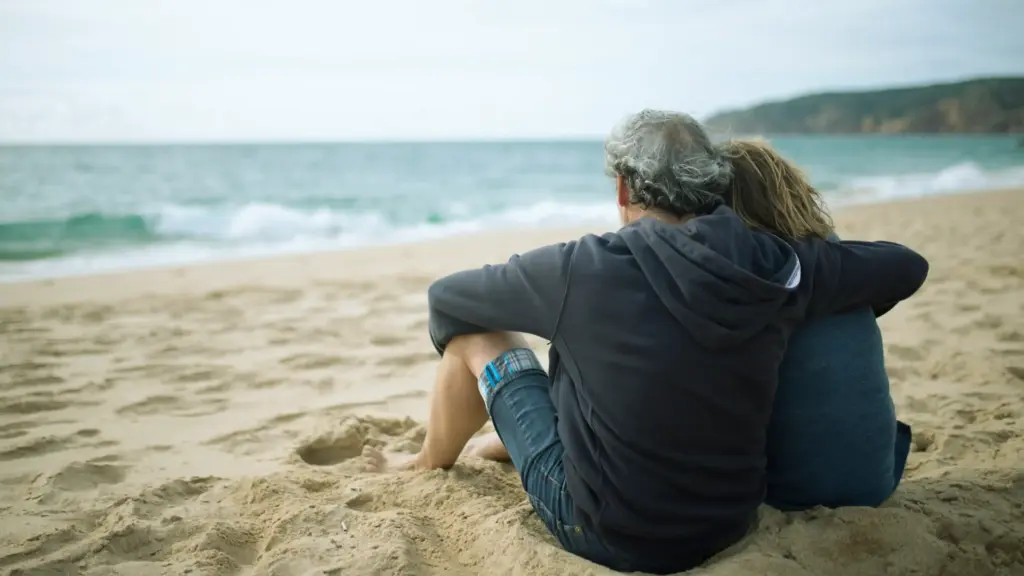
(644,448)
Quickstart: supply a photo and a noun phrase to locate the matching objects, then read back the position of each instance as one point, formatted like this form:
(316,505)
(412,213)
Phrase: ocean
(70,210)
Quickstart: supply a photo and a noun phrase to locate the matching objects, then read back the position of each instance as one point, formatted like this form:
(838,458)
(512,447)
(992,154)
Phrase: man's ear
(621,191)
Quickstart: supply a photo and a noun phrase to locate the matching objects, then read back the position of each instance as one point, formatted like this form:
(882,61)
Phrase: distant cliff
(989,105)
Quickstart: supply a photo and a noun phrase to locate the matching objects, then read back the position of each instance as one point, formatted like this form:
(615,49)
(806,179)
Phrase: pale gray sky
(131,70)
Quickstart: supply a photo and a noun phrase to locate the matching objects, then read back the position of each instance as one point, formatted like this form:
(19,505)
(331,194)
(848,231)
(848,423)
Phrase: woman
(834,439)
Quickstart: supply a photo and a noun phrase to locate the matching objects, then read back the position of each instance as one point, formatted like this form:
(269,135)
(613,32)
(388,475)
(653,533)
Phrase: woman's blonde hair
(770,193)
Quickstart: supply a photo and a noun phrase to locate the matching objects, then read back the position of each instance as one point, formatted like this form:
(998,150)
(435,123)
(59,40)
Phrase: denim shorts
(518,396)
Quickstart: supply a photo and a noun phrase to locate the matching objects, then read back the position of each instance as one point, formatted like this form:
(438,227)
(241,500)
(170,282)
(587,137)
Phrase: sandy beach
(210,419)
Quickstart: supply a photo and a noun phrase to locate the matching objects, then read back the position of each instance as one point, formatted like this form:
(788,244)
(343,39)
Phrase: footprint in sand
(26,367)
(194,376)
(215,388)
(408,358)
(29,375)
(1007,271)
(149,370)
(312,361)
(899,372)
(37,381)
(385,340)
(353,436)
(33,405)
(988,322)
(49,444)
(92,387)
(906,353)
(161,404)
(151,405)
(20,428)
(1010,336)
(81,476)
(923,441)
(333,446)
(254,440)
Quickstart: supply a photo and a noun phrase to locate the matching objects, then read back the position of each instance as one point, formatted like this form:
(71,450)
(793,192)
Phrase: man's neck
(660,215)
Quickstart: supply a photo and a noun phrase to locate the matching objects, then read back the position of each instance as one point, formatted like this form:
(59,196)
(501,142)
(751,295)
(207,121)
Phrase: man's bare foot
(378,461)
(488,447)
(473,447)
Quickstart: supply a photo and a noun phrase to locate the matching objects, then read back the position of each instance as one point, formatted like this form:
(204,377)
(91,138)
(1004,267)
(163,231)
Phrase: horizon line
(300,141)
(446,141)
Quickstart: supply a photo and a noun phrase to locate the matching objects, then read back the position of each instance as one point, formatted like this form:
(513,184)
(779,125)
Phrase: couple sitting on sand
(719,351)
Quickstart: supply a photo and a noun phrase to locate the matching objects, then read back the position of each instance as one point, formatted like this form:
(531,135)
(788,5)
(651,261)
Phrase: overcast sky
(143,70)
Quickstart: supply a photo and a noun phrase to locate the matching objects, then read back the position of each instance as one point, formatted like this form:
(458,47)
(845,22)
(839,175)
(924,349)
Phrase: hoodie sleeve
(855,274)
(523,295)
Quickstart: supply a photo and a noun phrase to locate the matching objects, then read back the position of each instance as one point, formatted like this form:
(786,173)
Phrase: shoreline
(13,292)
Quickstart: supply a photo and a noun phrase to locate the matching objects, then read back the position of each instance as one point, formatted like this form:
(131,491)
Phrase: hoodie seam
(565,293)
(569,358)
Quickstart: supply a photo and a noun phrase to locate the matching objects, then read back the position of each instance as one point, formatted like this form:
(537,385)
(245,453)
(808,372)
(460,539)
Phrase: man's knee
(476,350)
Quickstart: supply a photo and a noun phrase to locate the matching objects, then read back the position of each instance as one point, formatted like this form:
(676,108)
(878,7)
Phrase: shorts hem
(507,367)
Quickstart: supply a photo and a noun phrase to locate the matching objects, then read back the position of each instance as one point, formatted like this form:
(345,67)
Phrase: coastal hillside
(982,106)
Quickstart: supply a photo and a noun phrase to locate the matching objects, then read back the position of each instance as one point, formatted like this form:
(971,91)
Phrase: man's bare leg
(457,410)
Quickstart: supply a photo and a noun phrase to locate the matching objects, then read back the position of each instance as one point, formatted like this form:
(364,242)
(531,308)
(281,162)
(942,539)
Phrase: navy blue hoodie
(666,342)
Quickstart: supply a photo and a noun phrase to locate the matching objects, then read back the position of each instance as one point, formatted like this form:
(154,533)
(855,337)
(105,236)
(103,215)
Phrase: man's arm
(877,274)
(523,295)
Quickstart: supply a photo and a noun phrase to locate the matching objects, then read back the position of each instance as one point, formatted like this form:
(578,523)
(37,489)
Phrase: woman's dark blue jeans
(834,439)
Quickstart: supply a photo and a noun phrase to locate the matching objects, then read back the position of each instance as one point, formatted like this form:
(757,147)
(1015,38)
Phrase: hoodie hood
(721,280)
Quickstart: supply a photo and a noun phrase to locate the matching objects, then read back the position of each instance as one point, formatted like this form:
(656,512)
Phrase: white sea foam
(966,176)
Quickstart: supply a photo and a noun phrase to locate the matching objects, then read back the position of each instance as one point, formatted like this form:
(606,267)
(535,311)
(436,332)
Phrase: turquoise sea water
(85,209)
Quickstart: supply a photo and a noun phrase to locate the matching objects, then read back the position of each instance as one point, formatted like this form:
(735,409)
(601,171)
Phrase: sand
(209,420)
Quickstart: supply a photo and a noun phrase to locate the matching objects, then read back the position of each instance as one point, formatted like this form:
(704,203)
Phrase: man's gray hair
(668,162)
